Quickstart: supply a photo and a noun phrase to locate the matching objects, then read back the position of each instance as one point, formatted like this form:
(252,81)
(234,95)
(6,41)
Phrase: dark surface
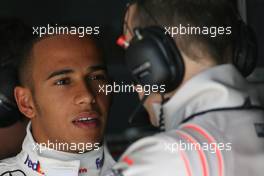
(255,20)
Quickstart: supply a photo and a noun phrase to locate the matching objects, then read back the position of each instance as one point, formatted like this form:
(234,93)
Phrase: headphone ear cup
(246,50)
(174,57)
(9,112)
(153,59)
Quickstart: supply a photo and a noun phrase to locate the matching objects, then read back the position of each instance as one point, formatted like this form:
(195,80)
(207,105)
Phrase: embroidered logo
(35,166)
(82,170)
(99,163)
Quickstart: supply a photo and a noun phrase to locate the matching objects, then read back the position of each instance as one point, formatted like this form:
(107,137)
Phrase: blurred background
(109,15)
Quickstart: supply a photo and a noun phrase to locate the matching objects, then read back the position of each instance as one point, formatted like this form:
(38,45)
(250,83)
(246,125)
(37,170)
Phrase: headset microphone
(122,42)
(135,112)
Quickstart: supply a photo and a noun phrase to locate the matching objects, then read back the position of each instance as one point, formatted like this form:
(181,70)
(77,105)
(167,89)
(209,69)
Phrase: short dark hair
(24,66)
(198,13)
(26,62)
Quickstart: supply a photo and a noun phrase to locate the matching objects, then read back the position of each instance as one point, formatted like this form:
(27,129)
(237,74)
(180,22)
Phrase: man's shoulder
(153,152)
(155,142)
(8,161)
(147,148)
(9,165)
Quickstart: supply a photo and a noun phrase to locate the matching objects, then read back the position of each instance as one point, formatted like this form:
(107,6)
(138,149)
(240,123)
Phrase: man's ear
(24,101)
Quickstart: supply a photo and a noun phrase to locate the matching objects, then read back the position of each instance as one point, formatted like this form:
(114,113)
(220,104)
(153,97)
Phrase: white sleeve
(151,156)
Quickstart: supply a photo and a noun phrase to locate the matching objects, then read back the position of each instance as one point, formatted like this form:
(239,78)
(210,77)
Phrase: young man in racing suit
(213,125)
(58,92)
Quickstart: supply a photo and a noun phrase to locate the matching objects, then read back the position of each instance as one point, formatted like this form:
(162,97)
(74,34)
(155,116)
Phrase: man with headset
(59,78)
(212,124)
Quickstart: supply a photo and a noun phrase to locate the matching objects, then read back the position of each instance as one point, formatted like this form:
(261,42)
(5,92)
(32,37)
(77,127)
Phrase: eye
(64,81)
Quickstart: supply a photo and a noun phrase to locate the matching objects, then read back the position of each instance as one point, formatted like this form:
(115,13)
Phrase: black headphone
(245,49)
(153,57)
(9,113)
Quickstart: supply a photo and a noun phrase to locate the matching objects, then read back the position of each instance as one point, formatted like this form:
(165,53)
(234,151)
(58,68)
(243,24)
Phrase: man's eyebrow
(59,72)
(97,67)
(67,71)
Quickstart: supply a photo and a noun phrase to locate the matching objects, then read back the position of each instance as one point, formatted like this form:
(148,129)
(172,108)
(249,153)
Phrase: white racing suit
(214,127)
(33,162)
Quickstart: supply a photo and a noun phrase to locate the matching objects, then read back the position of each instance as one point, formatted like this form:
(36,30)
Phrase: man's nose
(84,95)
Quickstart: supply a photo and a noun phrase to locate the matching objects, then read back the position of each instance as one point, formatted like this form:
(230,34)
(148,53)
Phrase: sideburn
(36,105)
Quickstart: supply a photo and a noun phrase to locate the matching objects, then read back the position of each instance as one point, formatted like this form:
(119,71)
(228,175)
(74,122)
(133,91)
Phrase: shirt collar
(51,160)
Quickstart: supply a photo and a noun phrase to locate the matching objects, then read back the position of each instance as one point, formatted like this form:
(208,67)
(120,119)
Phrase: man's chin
(154,122)
(152,117)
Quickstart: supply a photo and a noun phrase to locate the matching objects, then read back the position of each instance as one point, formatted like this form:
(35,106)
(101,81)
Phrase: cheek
(52,102)
(54,110)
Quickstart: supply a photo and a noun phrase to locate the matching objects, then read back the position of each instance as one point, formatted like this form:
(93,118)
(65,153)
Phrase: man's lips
(87,119)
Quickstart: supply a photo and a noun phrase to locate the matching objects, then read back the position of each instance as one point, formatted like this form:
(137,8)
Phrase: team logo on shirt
(82,170)
(99,163)
(35,166)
